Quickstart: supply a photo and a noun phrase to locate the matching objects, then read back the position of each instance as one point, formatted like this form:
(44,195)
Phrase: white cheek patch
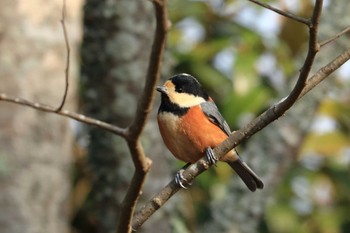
(185,100)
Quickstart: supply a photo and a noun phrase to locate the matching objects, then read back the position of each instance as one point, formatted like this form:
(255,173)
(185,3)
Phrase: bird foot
(211,156)
(180,180)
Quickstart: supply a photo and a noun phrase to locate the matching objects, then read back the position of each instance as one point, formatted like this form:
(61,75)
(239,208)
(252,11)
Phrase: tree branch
(333,38)
(141,162)
(284,13)
(313,48)
(235,139)
(253,127)
(76,116)
(66,41)
(325,71)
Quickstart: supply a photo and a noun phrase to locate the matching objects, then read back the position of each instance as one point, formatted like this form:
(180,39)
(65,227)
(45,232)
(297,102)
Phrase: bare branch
(284,13)
(78,117)
(253,127)
(325,71)
(66,41)
(141,162)
(325,42)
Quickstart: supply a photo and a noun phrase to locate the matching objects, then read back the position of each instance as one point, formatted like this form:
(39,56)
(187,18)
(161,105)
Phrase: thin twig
(141,162)
(66,40)
(284,13)
(333,38)
(253,127)
(325,71)
(78,117)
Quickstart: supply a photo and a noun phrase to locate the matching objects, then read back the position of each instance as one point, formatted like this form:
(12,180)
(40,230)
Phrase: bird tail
(248,176)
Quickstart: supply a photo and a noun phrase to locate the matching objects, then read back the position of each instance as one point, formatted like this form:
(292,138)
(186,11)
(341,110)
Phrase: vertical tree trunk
(35,147)
(115,53)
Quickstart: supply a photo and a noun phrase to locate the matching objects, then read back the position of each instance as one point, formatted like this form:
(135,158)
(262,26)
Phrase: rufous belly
(188,137)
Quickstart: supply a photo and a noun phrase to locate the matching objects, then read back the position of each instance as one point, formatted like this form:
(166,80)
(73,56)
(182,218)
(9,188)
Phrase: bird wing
(248,176)
(211,111)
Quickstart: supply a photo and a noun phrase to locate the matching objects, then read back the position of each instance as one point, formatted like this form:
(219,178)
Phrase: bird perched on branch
(191,125)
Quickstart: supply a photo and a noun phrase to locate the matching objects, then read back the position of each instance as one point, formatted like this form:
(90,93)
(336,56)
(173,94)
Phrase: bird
(191,126)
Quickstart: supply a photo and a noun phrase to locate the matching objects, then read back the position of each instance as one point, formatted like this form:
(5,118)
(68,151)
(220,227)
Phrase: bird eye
(180,90)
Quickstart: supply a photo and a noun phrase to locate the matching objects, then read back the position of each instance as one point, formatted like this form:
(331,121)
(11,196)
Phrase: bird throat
(170,107)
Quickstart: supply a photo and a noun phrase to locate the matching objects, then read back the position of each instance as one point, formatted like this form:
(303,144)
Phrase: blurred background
(57,175)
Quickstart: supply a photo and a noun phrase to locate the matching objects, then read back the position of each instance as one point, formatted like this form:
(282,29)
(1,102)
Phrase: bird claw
(180,180)
(211,156)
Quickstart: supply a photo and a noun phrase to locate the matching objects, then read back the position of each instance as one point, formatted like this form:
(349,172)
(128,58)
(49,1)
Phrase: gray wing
(211,111)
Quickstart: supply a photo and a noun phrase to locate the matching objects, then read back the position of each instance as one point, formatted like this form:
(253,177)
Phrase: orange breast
(189,136)
(201,131)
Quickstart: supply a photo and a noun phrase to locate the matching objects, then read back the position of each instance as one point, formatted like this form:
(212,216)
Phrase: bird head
(183,90)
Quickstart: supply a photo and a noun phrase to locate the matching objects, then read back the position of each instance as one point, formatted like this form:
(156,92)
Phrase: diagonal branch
(284,13)
(235,138)
(66,71)
(76,116)
(333,38)
(253,127)
(325,71)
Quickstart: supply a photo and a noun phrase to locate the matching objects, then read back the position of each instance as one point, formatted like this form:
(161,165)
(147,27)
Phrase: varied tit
(191,125)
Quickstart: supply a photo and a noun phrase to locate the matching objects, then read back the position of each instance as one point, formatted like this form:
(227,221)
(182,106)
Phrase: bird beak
(162,89)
